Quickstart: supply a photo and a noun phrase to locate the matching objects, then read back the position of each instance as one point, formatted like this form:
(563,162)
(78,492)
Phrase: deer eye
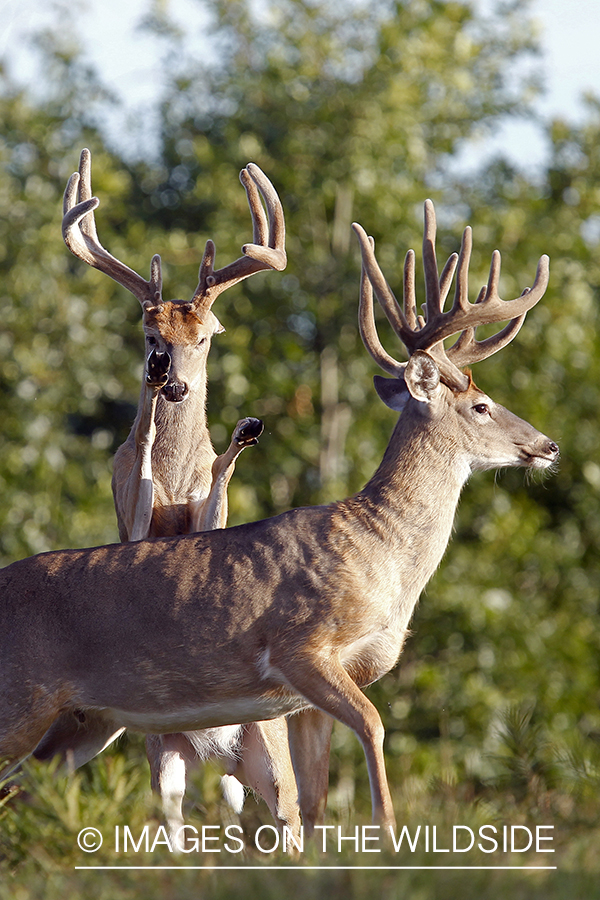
(151,340)
(482,409)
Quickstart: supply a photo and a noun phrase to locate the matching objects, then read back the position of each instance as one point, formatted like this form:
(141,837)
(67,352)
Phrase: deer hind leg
(329,687)
(265,766)
(310,741)
(212,513)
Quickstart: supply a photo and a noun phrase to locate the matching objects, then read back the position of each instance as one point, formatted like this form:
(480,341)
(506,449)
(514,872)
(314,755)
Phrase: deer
(168,480)
(303,610)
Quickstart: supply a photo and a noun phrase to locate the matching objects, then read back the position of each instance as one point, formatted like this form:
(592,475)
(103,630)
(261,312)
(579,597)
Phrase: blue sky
(570,35)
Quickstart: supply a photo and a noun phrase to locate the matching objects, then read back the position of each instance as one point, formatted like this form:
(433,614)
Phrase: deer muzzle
(540,454)
(175,391)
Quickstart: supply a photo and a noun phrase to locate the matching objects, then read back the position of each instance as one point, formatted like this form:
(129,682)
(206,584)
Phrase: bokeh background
(356,111)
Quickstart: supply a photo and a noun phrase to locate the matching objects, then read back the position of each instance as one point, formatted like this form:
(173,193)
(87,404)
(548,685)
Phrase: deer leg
(169,756)
(134,499)
(310,740)
(330,688)
(213,511)
(265,766)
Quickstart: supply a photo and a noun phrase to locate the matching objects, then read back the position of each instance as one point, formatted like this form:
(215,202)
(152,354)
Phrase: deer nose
(175,391)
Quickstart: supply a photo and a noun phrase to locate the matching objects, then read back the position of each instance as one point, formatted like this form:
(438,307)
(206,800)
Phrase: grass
(535,785)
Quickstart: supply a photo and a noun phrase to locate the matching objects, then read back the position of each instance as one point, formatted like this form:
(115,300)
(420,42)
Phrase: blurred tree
(65,353)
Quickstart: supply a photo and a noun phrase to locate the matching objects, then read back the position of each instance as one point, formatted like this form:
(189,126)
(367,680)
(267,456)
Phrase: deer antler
(267,251)
(366,323)
(80,236)
(428,332)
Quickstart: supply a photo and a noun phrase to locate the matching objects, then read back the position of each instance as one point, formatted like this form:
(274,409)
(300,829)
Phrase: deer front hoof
(247,432)
(157,369)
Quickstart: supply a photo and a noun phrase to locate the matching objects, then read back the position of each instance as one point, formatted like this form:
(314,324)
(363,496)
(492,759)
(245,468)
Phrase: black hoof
(247,431)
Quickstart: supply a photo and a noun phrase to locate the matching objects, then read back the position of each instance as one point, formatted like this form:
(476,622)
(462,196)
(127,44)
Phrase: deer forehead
(462,401)
(178,322)
(472,394)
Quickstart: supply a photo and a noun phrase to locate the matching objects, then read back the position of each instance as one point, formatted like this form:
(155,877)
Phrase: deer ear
(392,391)
(422,376)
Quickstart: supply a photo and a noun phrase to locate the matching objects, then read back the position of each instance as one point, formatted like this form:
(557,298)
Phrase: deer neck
(411,500)
(182,447)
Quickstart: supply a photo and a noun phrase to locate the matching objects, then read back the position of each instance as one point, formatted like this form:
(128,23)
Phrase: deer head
(183,329)
(491,436)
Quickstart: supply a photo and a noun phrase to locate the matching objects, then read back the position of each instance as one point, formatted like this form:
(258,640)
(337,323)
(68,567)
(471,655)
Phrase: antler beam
(266,252)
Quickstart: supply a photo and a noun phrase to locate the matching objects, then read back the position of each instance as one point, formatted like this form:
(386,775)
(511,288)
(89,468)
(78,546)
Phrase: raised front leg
(134,497)
(212,512)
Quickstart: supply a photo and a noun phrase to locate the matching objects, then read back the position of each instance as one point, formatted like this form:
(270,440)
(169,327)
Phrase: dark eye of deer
(152,341)
(481,408)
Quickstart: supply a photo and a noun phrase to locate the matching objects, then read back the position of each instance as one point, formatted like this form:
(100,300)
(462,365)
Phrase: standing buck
(301,610)
(168,480)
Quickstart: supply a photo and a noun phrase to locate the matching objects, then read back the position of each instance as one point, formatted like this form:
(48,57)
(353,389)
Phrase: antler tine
(267,251)
(80,236)
(367,327)
(256,183)
(461,293)
(466,350)
(409,293)
(446,278)
(385,295)
(432,285)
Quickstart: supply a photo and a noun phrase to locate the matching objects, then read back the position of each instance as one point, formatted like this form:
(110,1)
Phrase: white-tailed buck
(301,610)
(168,480)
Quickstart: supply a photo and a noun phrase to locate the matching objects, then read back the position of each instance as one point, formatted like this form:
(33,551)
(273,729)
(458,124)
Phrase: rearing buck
(168,480)
(304,609)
